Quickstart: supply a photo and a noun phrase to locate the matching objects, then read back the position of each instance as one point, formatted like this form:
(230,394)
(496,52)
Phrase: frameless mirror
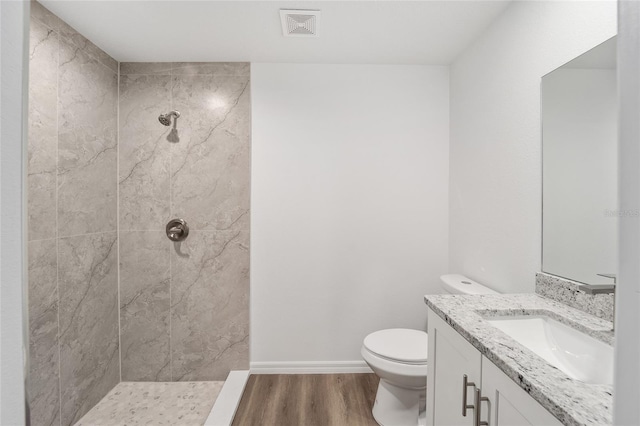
(579,163)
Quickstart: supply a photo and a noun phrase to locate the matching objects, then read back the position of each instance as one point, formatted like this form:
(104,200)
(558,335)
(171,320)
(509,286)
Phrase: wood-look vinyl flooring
(308,400)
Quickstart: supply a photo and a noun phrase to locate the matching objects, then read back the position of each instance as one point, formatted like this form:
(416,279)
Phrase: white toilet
(399,357)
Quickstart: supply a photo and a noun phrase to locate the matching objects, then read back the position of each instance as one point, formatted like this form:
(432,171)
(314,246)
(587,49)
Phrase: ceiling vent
(299,23)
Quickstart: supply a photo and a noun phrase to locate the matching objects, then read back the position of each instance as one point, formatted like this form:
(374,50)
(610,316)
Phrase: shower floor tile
(153,403)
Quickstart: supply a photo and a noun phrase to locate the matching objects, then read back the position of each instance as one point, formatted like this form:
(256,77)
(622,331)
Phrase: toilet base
(396,406)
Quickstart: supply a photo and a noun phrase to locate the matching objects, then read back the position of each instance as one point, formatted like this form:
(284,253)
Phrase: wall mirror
(579,162)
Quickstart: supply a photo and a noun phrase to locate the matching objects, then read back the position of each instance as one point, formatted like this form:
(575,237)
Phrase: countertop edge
(537,393)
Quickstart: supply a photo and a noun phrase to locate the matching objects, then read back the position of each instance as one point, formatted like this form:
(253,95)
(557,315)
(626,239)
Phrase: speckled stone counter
(571,401)
(566,291)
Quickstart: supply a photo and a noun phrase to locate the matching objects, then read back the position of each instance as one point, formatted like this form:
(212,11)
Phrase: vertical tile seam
(57,231)
(171,244)
(248,306)
(118,222)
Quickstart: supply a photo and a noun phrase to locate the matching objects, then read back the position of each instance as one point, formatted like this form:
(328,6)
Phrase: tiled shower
(186,303)
(111,298)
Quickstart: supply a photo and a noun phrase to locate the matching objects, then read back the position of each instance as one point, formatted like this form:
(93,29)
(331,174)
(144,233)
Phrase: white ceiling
(383,32)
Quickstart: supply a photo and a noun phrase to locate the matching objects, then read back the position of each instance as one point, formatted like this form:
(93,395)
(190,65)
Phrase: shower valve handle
(177,230)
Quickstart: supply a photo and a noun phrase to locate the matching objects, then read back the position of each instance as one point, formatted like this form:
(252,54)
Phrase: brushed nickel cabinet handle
(478,399)
(465,384)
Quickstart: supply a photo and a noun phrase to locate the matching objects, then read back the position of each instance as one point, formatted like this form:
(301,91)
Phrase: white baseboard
(309,367)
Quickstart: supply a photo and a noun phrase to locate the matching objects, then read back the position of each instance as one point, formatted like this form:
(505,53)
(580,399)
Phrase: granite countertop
(571,401)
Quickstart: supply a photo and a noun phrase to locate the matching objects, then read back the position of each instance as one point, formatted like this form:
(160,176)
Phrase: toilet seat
(412,375)
(401,345)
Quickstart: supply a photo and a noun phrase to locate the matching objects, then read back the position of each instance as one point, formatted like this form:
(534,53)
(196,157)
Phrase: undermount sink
(578,355)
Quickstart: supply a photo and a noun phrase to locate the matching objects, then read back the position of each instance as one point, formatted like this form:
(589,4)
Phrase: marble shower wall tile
(148,68)
(144,152)
(220,69)
(89,352)
(87,110)
(210,305)
(144,306)
(44,16)
(42,147)
(43,332)
(77,39)
(73,306)
(210,167)
(203,177)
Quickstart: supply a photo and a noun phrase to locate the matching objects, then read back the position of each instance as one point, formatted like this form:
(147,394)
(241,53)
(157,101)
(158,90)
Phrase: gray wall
(72,235)
(98,193)
(184,307)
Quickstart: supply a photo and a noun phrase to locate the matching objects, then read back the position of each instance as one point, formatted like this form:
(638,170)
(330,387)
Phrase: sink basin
(578,355)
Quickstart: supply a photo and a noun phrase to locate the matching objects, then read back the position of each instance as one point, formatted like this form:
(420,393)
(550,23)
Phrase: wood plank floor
(308,400)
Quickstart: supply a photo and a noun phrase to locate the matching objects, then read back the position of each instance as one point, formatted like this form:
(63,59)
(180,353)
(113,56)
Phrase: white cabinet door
(450,356)
(509,404)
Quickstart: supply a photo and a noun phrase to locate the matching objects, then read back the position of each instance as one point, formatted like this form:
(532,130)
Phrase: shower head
(165,119)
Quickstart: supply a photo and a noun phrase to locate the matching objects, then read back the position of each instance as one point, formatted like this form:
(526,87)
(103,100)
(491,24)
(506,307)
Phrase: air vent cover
(299,23)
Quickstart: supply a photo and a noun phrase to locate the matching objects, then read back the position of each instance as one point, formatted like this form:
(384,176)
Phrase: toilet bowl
(399,357)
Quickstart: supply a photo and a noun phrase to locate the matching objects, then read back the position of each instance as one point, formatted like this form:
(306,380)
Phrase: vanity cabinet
(459,379)
(508,404)
(450,358)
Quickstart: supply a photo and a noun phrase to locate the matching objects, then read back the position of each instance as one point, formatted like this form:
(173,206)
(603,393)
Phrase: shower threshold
(224,409)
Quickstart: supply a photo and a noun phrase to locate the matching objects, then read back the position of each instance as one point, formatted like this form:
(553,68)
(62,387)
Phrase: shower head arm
(165,119)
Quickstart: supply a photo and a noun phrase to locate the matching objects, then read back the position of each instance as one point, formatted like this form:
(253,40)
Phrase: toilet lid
(401,344)
(459,284)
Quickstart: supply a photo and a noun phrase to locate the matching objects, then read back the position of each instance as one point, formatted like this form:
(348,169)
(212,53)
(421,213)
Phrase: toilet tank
(459,284)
